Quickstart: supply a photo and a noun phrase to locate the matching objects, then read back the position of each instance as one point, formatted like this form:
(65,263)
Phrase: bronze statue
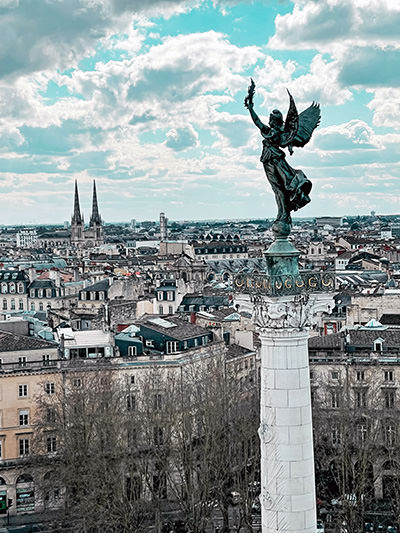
(291,187)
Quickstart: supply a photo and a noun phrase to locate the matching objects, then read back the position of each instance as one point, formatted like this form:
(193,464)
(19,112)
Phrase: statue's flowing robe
(292,184)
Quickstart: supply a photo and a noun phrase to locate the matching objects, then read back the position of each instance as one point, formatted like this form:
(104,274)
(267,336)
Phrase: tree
(117,446)
(355,430)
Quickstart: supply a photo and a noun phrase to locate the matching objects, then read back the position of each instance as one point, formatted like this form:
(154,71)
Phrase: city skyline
(148,101)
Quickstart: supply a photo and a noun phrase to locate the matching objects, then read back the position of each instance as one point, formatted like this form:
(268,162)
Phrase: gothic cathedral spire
(95,218)
(77,216)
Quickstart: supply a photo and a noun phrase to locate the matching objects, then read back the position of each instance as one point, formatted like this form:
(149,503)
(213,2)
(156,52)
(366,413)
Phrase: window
(51,444)
(23,418)
(46,359)
(23,447)
(4,304)
(160,310)
(132,380)
(132,351)
(21,304)
(170,310)
(158,436)
(132,437)
(83,295)
(335,435)
(149,343)
(12,288)
(335,399)
(101,295)
(159,295)
(48,293)
(40,293)
(4,288)
(388,375)
(172,346)
(50,415)
(170,295)
(360,398)
(131,402)
(23,391)
(389,397)
(362,432)
(20,287)
(32,306)
(360,375)
(49,388)
(22,360)
(12,304)
(334,374)
(390,434)
(77,382)
(41,306)
(157,402)
(32,293)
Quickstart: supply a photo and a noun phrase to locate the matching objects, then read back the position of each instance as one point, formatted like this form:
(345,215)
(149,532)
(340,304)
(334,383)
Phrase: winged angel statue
(291,187)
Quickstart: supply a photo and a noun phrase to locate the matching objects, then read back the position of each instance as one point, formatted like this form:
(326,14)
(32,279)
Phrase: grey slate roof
(359,338)
(10,342)
(102,285)
(183,330)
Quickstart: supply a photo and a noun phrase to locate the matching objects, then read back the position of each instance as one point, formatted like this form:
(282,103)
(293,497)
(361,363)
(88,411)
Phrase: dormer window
(20,287)
(378,345)
(4,288)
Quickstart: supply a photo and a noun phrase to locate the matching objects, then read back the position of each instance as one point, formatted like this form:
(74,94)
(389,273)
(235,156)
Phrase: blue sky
(146,97)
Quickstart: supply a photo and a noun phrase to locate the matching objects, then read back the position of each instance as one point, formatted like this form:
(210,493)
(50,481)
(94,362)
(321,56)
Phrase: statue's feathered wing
(299,128)
(308,121)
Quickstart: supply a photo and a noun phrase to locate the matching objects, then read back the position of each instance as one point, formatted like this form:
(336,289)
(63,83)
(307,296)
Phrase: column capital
(294,312)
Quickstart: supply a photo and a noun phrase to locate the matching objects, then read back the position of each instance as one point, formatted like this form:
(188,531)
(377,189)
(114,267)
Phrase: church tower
(77,223)
(96,224)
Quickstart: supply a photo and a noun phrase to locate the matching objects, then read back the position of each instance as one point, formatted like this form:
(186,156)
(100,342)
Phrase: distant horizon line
(206,220)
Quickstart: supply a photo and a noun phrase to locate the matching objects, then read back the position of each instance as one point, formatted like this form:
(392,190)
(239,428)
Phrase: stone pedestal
(287,459)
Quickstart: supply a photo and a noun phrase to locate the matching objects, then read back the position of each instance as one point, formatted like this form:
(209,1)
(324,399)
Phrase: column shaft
(287,456)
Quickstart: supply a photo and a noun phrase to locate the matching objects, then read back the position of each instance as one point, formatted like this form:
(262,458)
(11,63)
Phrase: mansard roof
(13,275)
(10,342)
(102,285)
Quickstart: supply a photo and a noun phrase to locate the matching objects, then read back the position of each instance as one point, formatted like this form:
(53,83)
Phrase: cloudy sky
(146,96)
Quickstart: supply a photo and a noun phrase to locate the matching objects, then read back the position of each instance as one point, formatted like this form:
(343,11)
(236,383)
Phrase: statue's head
(276,118)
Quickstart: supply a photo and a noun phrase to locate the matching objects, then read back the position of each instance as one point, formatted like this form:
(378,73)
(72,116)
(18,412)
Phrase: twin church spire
(92,236)
(77,217)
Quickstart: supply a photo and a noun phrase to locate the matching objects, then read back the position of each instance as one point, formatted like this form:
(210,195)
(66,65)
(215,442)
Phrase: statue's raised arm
(290,186)
(248,102)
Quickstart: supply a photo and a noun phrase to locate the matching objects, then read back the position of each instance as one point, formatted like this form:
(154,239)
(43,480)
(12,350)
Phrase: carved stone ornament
(265,433)
(266,500)
(296,312)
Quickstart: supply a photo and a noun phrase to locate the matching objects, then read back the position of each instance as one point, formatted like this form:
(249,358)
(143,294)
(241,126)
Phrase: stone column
(287,457)
(287,454)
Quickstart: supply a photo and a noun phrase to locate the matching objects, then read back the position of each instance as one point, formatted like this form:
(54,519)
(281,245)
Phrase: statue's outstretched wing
(308,121)
(291,122)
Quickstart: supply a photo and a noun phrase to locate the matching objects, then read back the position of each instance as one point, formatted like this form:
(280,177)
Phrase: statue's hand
(248,102)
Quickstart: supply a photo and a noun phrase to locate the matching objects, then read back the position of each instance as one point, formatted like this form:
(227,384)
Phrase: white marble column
(287,457)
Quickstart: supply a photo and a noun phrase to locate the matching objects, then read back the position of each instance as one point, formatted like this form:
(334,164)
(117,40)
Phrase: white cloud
(386,107)
(355,134)
(182,138)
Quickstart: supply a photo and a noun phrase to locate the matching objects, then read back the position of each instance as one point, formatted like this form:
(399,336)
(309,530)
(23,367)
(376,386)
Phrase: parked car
(369,526)
(320,527)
